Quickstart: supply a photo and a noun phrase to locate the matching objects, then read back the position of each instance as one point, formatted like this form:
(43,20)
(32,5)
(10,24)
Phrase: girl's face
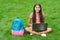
(37,8)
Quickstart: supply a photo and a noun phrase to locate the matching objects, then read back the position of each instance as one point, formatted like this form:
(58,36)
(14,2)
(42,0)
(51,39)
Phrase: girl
(37,16)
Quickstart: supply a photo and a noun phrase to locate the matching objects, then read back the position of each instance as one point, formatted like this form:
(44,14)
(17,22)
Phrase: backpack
(17,27)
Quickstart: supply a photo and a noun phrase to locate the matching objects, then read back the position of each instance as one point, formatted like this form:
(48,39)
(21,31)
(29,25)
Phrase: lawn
(10,9)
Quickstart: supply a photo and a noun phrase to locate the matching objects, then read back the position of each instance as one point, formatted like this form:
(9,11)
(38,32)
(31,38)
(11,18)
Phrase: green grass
(10,9)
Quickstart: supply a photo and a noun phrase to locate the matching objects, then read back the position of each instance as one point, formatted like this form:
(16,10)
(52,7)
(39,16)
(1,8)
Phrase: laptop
(39,27)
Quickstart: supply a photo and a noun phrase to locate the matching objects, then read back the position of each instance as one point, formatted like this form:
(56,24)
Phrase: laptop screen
(40,26)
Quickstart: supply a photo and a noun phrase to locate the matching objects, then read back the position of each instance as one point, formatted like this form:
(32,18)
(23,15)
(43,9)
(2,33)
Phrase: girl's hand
(30,25)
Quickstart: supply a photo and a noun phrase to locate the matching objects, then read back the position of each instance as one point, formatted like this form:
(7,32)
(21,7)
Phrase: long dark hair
(40,14)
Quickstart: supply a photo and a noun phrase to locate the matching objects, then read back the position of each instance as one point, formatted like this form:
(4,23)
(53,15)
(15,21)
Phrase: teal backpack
(17,24)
